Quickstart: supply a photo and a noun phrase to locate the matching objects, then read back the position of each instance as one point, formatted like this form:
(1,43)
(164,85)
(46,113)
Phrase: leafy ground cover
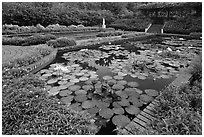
(61,42)
(130,24)
(26,110)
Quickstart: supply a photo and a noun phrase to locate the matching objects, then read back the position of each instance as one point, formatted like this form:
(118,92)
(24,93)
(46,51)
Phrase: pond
(115,82)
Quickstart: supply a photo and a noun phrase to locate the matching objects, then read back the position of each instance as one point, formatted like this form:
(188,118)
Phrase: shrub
(130,24)
(109,33)
(18,41)
(196,34)
(61,42)
(38,39)
(184,25)
(26,110)
(196,67)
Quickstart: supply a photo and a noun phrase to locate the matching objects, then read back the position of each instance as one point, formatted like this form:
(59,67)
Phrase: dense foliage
(109,33)
(61,42)
(131,24)
(28,41)
(184,25)
(55,28)
(26,110)
(45,13)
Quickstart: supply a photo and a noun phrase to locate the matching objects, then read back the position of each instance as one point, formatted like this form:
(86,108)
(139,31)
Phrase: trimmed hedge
(31,40)
(61,42)
(15,29)
(109,33)
(132,35)
(131,24)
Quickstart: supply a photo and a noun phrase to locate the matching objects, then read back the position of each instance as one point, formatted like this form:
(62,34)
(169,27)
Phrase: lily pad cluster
(112,98)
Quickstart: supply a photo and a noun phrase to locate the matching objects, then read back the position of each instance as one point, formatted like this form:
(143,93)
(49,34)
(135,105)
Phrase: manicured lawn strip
(30,55)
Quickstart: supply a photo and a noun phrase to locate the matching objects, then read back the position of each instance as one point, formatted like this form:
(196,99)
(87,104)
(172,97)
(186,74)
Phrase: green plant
(26,110)
(38,39)
(61,42)
(196,67)
(109,33)
(138,24)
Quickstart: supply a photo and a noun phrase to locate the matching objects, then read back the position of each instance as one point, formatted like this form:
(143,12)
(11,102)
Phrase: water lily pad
(133,84)
(52,81)
(93,110)
(165,76)
(141,77)
(151,92)
(67,100)
(133,75)
(88,104)
(118,77)
(122,94)
(120,120)
(137,103)
(132,110)
(61,87)
(74,80)
(84,70)
(102,105)
(74,105)
(74,87)
(87,87)
(118,87)
(69,84)
(121,74)
(80,98)
(79,92)
(122,82)
(107,77)
(118,110)
(54,91)
(139,91)
(124,102)
(47,75)
(106,113)
(83,78)
(79,74)
(62,82)
(146,98)
(75,65)
(116,105)
(65,92)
